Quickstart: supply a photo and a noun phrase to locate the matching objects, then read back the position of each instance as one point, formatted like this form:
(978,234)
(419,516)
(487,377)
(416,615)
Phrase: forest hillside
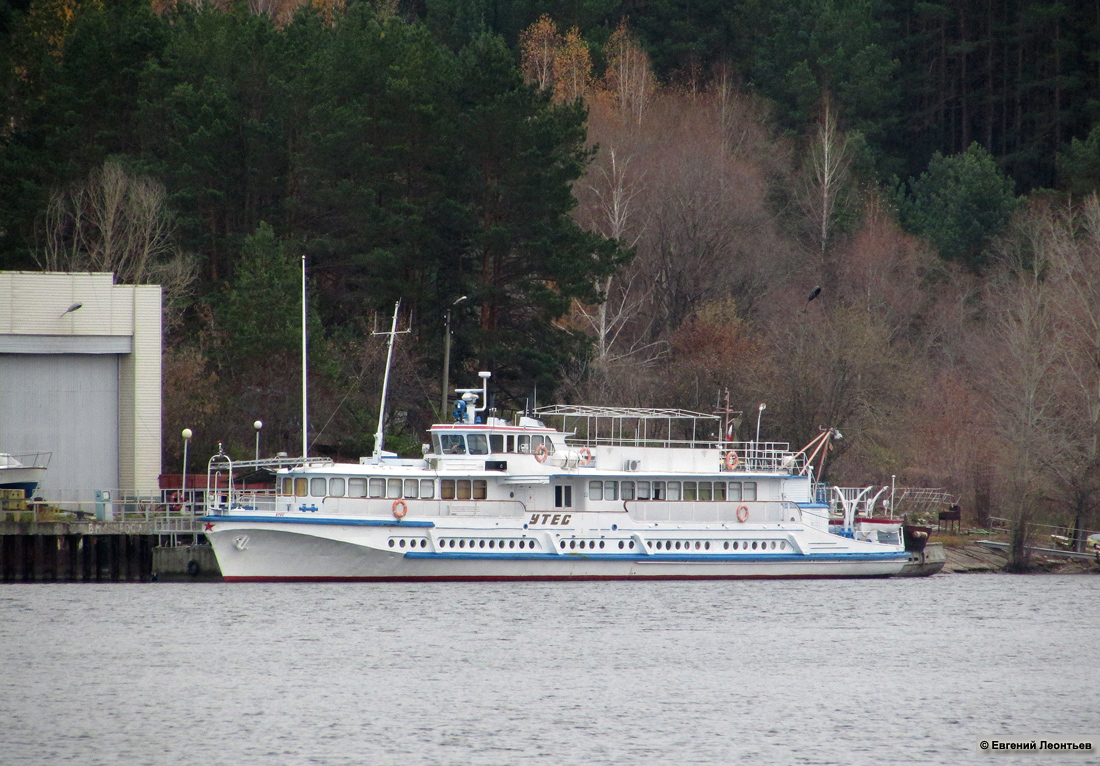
(873,215)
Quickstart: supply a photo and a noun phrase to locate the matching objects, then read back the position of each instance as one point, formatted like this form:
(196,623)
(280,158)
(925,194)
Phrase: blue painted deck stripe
(335,522)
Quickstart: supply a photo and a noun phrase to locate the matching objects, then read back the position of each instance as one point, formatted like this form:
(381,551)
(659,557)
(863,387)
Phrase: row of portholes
(411,543)
(668,545)
(593,544)
(492,544)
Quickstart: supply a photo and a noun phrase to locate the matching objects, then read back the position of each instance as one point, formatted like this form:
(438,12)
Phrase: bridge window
(318,487)
(595,490)
(288,486)
(357,487)
(628,490)
(479,445)
(336,487)
(377,487)
(496,443)
(300,487)
(453,444)
(523,444)
(427,489)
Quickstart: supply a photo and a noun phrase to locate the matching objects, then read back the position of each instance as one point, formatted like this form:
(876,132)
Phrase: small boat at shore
(23,471)
(558,493)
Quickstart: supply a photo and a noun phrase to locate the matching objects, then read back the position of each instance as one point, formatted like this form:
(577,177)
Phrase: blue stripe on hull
(325,521)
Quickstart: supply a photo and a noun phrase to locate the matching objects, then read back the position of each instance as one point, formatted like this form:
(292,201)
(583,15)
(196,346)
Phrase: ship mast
(393,333)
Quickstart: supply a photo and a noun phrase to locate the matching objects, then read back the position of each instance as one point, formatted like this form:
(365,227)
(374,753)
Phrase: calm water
(556,673)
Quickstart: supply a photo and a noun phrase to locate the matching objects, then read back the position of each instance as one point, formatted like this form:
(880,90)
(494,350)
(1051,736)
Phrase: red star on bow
(209,526)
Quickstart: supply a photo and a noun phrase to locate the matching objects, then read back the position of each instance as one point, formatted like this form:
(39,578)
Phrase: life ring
(732,461)
(743,514)
(541,453)
(400,508)
(586,455)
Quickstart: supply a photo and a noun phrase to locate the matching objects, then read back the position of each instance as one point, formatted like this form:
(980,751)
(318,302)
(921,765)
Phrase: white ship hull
(327,549)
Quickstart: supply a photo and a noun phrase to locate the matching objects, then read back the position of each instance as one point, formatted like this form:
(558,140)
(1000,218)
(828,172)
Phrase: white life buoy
(743,514)
(400,508)
(732,461)
(541,453)
(586,455)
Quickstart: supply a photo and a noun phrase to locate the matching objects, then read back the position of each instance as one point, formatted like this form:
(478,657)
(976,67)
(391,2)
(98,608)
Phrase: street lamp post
(187,434)
(447,359)
(258,425)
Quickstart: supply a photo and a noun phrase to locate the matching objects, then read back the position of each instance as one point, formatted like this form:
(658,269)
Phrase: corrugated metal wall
(66,404)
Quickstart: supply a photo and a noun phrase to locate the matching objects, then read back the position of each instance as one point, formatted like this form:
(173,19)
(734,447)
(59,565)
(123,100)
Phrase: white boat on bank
(23,471)
(607,494)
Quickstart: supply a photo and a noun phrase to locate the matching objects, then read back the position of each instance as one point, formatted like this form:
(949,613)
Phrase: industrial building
(80,377)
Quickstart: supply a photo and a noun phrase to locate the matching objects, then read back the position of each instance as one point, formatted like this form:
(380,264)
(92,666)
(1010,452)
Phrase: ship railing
(25,459)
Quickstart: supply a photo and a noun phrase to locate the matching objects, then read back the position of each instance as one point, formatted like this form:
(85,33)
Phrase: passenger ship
(608,494)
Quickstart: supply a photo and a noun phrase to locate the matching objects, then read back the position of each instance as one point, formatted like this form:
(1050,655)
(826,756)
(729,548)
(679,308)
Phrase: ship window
(535,441)
(453,444)
(523,444)
(377,487)
(357,487)
(496,443)
(427,489)
(689,490)
(628,490)
(659,491)
(563,496)
(720,491)
(479,445)
(288,486)
(754,545)
(595,490)
(643,490)
(336,487)
(393,488)
(447,489)
(704,491)
(611,490)
(510,444)
(620,545)
(300,487)
(735,492)
(481,487)
(463,487)
(318,487)
(674,490)
(412,488)
(783,545)
(436,448)
(750,490)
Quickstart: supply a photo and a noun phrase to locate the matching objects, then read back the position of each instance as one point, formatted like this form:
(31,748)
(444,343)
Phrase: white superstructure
(612,493)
